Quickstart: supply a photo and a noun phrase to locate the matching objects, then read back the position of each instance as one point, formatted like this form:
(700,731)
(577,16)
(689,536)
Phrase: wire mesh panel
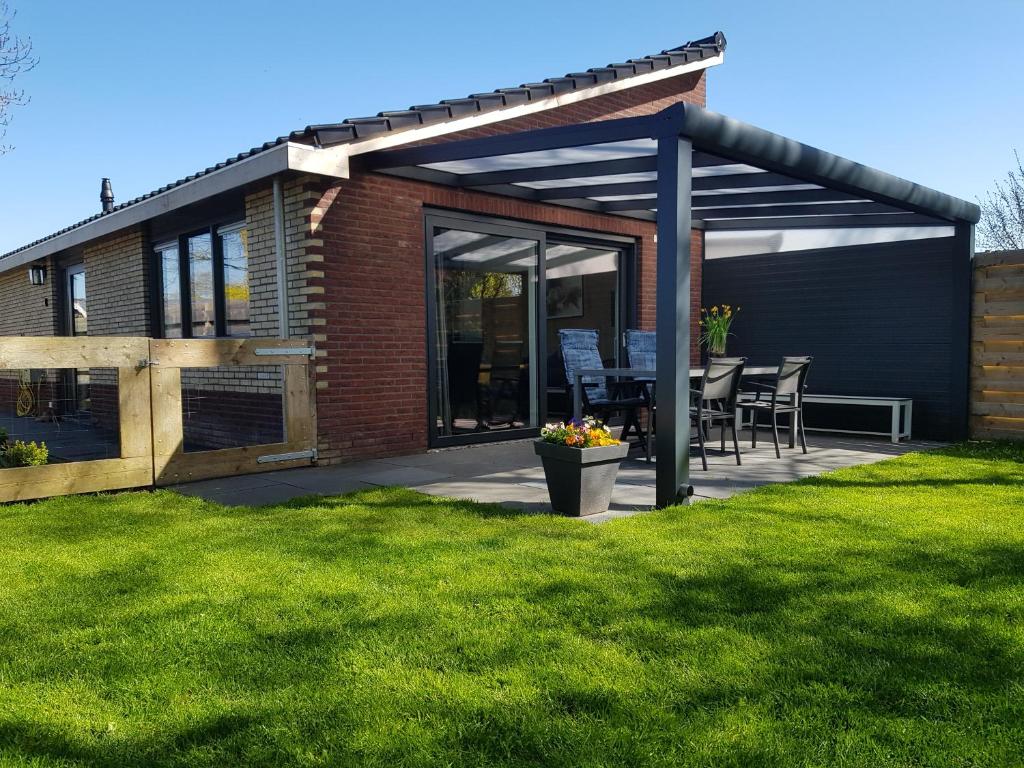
(74,411)
(231,407)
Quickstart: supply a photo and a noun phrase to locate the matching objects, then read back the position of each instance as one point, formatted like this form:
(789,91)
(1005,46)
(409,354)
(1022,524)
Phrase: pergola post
(673,319)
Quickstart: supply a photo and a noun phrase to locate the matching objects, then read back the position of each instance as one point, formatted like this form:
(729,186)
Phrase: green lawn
(872,616)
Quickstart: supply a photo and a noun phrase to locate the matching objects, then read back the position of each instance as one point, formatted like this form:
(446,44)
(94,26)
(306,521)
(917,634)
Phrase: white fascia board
(284,157)
(389,140)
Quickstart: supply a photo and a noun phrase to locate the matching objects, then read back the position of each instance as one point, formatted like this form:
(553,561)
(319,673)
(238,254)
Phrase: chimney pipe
(107,196)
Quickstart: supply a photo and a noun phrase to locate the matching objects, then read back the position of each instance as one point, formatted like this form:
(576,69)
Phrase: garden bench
(901,407)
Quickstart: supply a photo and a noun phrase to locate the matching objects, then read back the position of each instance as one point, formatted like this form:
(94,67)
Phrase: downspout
(281,260)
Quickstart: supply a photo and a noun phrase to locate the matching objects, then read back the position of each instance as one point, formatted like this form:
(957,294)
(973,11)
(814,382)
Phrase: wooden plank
(227,462)
(1010,358)
(996,332)
(1014,410)
(988,308)
(167,427)
(136,425)
(299,405)
(24,483)
(998,345)
(982,432)
(998,258)
(212,353)
(1010,293)
(997,282)
(20,352)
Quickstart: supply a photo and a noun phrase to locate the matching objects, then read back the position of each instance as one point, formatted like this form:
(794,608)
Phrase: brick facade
(372,380)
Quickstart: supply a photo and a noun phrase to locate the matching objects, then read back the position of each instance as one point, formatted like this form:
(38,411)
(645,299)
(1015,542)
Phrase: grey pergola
(685,168)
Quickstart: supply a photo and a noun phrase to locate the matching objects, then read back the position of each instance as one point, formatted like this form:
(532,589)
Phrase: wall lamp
(37,275)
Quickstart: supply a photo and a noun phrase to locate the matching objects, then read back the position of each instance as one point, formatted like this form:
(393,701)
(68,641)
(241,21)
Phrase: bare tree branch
(1002,213)
(15,59)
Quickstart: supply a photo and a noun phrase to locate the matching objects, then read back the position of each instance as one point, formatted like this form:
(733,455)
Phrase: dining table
(643,375)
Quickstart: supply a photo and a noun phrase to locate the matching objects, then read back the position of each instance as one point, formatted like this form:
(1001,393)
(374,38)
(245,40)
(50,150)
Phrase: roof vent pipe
(106,196)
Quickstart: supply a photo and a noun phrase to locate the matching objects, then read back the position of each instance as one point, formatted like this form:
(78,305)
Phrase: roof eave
(288,156)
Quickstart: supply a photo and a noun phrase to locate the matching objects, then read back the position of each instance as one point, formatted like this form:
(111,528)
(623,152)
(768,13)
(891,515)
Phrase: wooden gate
(172,464)
(997,350)
(149,404)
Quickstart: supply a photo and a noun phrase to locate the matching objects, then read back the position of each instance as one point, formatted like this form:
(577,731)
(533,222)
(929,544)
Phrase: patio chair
(715,402)
(601,398)
(787,396)
(641,351)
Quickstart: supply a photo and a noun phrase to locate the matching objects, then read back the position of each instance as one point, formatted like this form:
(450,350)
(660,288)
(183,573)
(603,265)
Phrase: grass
(872,616)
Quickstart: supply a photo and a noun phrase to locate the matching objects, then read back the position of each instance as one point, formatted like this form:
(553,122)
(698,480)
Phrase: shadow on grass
(33,741)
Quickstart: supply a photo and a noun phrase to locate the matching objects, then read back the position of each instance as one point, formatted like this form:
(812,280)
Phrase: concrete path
(510,474)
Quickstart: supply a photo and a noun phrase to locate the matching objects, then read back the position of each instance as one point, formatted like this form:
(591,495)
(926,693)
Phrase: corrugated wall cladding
(880,320)
(997,352)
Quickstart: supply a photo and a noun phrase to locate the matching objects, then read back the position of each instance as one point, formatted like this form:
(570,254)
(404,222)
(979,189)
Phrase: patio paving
(510,474)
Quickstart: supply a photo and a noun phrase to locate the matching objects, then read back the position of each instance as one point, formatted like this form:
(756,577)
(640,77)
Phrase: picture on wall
(565,297)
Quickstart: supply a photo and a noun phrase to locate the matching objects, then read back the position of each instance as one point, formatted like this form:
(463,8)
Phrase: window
(170,289)
(235,249)
(204,284)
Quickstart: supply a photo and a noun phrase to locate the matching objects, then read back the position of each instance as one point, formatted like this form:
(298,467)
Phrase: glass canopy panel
(725,170)
(739,190)
(584,181)
(591,153)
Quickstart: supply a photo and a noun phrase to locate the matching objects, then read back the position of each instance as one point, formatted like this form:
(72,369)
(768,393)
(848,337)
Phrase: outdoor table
(643,374)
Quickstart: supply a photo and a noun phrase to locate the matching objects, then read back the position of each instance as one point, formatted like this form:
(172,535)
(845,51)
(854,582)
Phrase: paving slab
(511,474)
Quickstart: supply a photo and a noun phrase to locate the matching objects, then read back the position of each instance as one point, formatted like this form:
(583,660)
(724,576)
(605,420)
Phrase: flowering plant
(587,433)
(716,323)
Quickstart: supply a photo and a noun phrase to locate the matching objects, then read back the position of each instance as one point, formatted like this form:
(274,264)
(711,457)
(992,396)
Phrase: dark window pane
(484,337)
(236,281)
(200,263)
(170,276)
(79,311)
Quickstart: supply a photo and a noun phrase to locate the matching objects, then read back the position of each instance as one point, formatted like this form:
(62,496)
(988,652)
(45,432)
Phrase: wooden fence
(997,346)
(152,445)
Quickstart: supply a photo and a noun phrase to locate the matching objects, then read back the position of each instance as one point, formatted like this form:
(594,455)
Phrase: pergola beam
(544,139)
(809,209)
(825,222)
(746,143)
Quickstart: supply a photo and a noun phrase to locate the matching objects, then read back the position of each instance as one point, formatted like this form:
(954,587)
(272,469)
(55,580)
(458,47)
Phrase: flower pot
(580,480)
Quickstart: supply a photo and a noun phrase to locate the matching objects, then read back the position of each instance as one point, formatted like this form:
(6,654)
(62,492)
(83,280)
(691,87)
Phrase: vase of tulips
(581,460)
(715,323)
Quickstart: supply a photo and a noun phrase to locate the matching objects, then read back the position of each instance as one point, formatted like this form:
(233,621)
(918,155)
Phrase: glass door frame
(538,376)
(627,300)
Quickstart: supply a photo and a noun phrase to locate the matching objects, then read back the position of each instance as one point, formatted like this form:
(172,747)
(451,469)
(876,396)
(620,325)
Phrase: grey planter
(580,480)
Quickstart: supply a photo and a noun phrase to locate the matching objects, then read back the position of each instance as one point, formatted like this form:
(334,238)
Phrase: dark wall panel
(878,319)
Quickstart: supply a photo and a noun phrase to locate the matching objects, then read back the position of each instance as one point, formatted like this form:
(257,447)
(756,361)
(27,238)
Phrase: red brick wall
(372,382)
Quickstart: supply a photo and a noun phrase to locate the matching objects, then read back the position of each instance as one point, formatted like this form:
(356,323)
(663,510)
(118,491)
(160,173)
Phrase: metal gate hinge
(272,458)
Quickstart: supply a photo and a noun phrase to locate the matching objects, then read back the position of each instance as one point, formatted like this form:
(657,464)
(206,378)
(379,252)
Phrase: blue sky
(932,90)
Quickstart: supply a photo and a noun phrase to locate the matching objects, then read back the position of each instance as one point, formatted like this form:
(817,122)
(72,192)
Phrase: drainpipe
(280,259)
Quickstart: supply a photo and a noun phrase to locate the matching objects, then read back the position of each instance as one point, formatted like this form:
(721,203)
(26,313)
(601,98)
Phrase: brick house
(295,239)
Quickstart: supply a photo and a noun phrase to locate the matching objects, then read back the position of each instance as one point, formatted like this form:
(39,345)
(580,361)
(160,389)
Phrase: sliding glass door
(583,290)
(498,294)
(483,324)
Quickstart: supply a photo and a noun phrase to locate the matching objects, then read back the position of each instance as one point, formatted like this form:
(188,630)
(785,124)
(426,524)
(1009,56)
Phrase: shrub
(3,440)
(22,454)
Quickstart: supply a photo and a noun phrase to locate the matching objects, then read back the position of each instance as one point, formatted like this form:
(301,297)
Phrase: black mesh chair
(787,396)
(715,402)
